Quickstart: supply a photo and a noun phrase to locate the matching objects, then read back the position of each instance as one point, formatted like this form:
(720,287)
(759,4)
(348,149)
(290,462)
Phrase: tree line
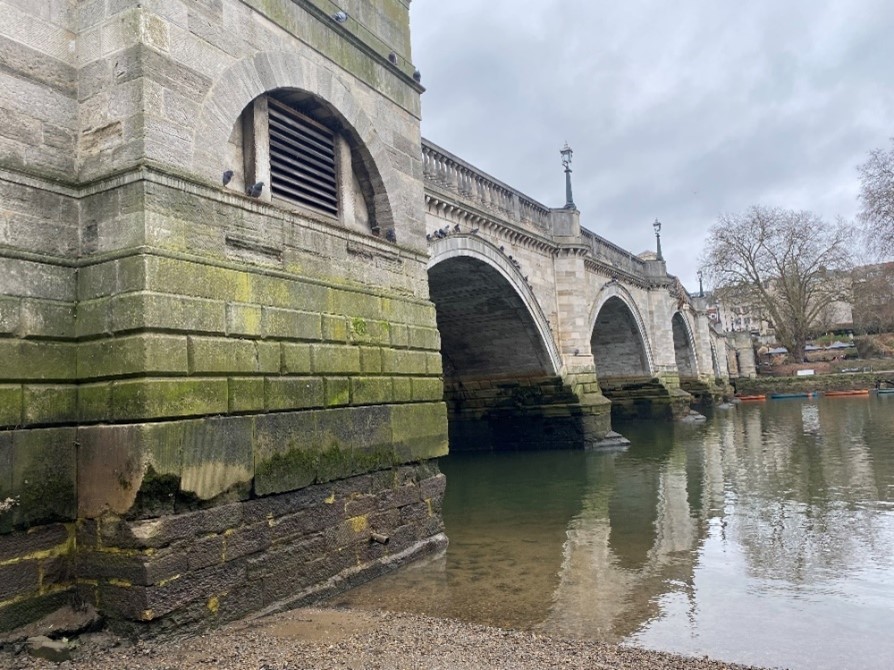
(792,266)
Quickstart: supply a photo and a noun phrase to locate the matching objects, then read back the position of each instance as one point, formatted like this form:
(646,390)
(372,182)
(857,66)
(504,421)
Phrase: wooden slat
(302,159)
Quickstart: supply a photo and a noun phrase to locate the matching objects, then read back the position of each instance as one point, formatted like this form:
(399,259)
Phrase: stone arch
(266,71)
(684,346)
(625,315)
(475,250)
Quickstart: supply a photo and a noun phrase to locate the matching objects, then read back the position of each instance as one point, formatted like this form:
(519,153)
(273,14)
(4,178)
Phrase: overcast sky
(677,110)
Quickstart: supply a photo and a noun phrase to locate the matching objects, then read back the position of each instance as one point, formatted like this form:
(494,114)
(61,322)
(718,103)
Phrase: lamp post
(701,290)
(566,162)
(657,227)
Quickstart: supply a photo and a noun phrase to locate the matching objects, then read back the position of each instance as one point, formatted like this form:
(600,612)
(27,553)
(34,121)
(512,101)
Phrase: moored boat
(835,394)
(782,396)
(750,398)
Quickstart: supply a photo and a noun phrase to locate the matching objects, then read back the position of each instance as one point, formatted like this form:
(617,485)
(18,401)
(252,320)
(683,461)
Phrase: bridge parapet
(471,186)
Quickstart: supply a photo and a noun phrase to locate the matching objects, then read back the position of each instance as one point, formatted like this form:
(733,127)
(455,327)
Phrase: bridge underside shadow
(501,385)
(622,365)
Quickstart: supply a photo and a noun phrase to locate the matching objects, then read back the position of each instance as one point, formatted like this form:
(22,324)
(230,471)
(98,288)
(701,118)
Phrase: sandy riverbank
(334,638)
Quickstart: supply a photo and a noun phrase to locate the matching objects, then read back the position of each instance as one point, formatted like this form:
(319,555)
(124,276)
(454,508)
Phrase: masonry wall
(174,353)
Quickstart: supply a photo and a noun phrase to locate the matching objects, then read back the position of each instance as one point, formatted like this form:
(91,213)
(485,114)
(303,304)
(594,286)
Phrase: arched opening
(617,344)
(622,363)
(501,384)
(293,149)
(684,353)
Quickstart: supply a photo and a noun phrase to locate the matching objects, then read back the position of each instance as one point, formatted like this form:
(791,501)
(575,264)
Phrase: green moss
(286,471)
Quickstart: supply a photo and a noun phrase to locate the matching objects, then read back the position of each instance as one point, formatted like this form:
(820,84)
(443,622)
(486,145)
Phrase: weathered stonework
(208,401)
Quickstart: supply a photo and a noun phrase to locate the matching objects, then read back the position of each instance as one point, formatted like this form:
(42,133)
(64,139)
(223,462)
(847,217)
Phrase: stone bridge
(236,290)
(541,318)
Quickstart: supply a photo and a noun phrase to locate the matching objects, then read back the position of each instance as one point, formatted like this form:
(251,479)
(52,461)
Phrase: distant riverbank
(849,381)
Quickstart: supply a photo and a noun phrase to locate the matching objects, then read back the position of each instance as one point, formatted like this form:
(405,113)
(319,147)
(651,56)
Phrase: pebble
(342,639)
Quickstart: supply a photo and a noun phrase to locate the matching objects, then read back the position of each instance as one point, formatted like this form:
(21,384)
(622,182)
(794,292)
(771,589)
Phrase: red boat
(751,398)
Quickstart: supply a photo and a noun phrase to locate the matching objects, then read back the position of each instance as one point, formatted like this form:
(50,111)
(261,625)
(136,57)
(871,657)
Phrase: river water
(764,536)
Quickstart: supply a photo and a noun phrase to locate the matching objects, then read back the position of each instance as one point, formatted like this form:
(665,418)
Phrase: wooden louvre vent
(302,159)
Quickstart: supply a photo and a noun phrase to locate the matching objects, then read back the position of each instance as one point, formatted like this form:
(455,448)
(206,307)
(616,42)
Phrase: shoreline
(323,638)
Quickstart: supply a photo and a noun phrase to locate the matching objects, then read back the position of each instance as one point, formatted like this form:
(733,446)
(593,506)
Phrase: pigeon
(417,76)
(456,228)
(227,176)
(340,16)
(255,190)
(390,235)
(392,58)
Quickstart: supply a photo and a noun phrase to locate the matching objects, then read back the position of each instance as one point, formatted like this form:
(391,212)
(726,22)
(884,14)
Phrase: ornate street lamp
(566,162)
(657,227)
(701,290)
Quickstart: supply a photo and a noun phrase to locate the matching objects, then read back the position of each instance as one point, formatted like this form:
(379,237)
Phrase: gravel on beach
(317,638)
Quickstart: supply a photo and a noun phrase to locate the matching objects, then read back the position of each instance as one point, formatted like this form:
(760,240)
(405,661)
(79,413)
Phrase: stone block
(292,325)
(27,360)
(44,473)
(335,329)
(208,354)
(136,311)
(94,401)
(403,390)
(152,398)
(424,338)
(434,365)
(18,579)
(244,319)
(246,394)
(354,441)
(419,431)
(296,358)
(286,451)
(338,391)
(52,538)
(282,393)
(269,357)
(404,361)
(371,390)
(10,315)
(41,318)
(217,457)
(370,360)
(333,358)
(10,404)
(118,463)
(136,354)
(427,389)
(45,403)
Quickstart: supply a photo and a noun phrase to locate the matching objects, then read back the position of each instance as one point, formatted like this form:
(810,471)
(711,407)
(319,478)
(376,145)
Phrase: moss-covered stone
(427,389)
(334,358)
(244,319)
(371,390)
(94,402)
(10,404)
(404,361)
(246,394)
(335,328)
(44,475)
(145,353)
(30,360)
(296,358)
(168,312)
(286,453)
(424,338)
(291,324)
(9,315)
(293,392)
(419,431)
(215,354)
(403,389)
(269,357)
(155,398)
(50,404)
(338,391)
(50,319)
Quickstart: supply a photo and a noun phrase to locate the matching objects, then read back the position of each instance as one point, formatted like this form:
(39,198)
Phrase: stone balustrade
(445,170)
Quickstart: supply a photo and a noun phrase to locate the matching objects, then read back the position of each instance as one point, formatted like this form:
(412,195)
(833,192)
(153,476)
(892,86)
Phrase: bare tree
(877,200)
(789,264)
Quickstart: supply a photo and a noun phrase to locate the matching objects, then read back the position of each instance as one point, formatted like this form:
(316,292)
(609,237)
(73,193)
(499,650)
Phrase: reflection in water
(764,536)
